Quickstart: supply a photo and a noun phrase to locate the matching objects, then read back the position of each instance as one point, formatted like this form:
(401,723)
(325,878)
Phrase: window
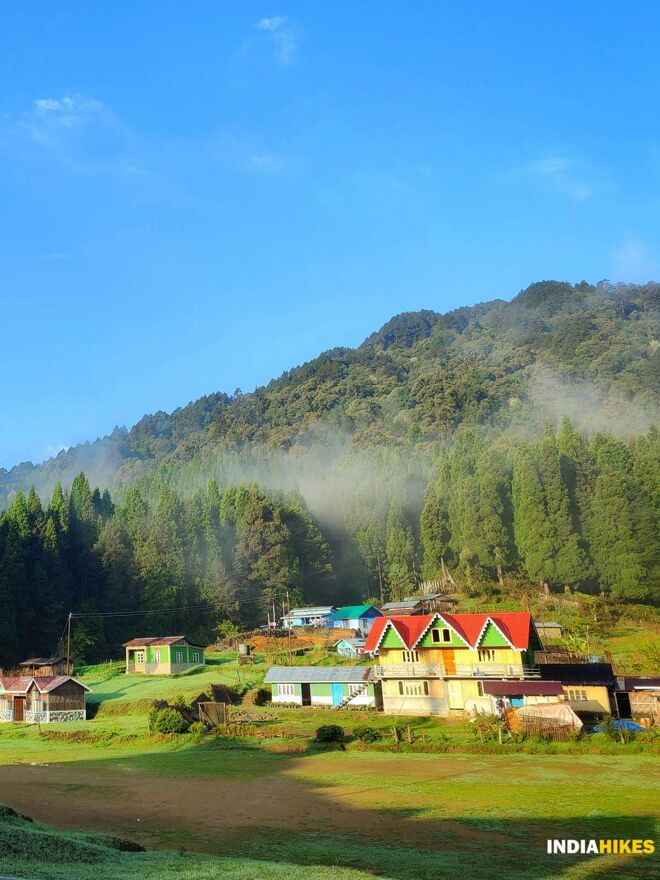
(196,657)
(441,635)
(179,657)
(157,655)
(139,656)
(480,688)
(486,655)
(435,635)
(446,635)
(410,656)
(355,689)
(414,688)
(286,690)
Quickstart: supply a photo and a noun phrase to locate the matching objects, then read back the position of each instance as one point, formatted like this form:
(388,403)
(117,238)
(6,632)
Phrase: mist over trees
(440,440)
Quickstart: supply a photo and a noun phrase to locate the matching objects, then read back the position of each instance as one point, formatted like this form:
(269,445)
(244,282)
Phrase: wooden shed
(46,666)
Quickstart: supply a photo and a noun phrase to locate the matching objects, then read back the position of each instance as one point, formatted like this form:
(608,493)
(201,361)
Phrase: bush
(198,729)
(256,697)
(367,734)
(167,721)
(225,693)
(330,733)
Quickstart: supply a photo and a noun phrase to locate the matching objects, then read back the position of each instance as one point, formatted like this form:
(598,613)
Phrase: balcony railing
(409,670)
(496,670)
(462,670)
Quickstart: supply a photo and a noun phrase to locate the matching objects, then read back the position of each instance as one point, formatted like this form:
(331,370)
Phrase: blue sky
(197,196)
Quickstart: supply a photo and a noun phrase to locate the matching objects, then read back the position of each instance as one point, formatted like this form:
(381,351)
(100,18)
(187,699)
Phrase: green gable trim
(493,638)
(393,639)
(427,641)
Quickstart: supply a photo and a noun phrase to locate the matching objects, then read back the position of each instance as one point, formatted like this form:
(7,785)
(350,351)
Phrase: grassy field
(277,805)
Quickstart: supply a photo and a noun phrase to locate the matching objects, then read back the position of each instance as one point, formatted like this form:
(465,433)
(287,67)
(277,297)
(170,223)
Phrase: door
(19,708)
(455,692)
(449,658)
(306,694)
(337,694)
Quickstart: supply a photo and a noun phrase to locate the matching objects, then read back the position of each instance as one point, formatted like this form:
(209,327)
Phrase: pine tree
(400,548)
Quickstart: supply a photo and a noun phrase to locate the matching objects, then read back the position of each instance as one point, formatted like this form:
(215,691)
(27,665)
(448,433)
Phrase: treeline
(565,510)
(235,551)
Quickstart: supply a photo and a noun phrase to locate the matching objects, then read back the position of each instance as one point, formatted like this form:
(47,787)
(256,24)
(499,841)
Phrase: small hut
(42,699)
(46,666)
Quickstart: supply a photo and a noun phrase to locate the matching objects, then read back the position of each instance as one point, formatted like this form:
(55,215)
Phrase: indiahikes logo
(605,846)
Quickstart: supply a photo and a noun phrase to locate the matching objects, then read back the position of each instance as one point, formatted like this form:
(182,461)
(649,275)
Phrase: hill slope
(588,352)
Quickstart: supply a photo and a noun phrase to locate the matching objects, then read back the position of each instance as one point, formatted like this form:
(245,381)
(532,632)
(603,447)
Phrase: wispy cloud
(284,36)
(78,132)
(264,163)
(633,261)
(562,174)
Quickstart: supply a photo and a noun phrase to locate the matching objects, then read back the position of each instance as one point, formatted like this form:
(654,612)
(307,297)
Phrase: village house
(162,656)
(318,615)
(437,664)
(356,617)
(589,687)
(337,686)
(502,695)
(639,697)
(42,699)
(46,666)
(350,647)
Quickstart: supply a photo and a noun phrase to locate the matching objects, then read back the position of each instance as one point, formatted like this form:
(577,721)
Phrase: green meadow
(274,803)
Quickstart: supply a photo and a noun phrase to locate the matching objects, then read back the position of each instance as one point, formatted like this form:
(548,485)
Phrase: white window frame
(286,690)
(487,655)
(196,657)
(139,657)
(156,655)
(178,656)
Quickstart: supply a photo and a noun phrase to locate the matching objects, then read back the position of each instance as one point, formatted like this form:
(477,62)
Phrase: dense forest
(440,439)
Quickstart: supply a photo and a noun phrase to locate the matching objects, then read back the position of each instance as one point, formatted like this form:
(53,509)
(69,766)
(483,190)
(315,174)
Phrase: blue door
(517,701)
(337,694)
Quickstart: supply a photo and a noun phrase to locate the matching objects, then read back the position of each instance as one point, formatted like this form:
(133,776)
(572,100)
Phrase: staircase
(356,693)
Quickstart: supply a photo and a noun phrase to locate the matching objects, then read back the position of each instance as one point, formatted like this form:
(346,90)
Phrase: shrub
(167,721)
(198,729)
(256,697)
(330,733)
(367,734)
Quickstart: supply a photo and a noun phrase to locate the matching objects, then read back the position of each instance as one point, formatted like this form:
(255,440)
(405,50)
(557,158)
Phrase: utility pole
(288,605)
(68,645)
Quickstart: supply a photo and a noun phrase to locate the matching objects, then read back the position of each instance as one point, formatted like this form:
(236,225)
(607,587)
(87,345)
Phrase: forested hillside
(514,441)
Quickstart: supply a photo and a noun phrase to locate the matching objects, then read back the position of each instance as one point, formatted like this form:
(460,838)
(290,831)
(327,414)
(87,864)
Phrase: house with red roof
(437,664)
(42,699)
(162,655)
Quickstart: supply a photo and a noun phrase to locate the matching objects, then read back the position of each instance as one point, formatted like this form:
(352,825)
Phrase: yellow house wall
(435,656)
(598,693)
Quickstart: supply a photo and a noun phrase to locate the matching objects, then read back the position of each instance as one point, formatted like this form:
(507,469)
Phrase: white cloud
(562,174)
(81,134)
(283,35)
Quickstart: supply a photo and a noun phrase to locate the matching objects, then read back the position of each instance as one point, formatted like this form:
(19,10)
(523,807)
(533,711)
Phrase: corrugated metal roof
(523,688)
(19,684)
(159,640)
(41,661)
(355,643)
(402,603)
(303,674)
(315,611)
(350,612)
(578,673)
(548,623)
(591,707)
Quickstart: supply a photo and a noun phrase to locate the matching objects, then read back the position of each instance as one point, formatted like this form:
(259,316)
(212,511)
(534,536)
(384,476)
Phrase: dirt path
(201,813)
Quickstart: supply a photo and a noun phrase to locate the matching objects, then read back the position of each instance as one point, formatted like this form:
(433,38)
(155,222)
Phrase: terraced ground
(277,805)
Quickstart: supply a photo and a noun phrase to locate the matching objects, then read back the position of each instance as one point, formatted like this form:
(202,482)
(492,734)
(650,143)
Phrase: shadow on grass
(223,799)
